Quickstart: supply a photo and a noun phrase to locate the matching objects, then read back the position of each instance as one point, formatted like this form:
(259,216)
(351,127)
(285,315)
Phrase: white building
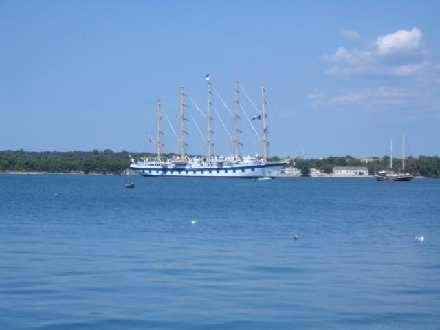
(347,171)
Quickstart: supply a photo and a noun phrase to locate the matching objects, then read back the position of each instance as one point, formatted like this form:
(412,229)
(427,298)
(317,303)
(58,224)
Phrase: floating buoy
(419,238)
(193,222)
(295,237)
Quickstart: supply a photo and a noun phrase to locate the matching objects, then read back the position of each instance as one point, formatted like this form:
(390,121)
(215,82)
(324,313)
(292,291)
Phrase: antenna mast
(209,118)
(264,121)
(236,117)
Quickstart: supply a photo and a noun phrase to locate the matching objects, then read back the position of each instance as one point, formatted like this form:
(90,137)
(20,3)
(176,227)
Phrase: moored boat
(129,184)
(393,176)
(390,174)
(234,166)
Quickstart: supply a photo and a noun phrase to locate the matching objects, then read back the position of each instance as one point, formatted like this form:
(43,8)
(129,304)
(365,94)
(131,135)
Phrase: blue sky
(341,77)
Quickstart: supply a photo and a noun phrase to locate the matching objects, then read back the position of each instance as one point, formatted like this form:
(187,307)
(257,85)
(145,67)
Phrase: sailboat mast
(236,117)
(209,118)
(391,153)
(403,152)
(159,131)
(264,122)
(182,123)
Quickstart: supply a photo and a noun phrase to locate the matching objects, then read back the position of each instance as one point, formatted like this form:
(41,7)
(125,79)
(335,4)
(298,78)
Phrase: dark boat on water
(129,184)
(390,174)
(393,176)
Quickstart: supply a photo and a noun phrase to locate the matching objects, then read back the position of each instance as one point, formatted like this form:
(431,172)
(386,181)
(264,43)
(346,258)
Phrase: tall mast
(182,123)
(403,152)
(159,131)
(264,122)
(236,117)
(209,118)
(391,153)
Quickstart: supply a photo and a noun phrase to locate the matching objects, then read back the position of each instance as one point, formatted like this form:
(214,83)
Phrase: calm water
(84,252)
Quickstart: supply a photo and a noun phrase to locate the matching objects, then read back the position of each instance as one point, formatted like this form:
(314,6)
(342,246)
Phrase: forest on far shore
(109,162)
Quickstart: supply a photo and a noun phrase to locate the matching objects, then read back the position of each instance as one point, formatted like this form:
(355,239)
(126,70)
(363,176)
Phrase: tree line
(109,162)
(423,166)
(87,162)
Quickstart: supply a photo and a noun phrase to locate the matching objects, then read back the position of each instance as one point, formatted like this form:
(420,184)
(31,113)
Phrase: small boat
(380,177)
(129,184)
(264,178)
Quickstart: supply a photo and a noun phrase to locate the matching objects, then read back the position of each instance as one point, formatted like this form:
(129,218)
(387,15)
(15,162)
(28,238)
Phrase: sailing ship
(234,166)
(390,174)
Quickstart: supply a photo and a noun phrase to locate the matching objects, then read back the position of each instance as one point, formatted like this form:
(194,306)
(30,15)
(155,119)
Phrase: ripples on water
(83,252)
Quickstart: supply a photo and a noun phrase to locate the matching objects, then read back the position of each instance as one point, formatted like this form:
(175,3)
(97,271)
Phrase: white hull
(210,166)
(251,171)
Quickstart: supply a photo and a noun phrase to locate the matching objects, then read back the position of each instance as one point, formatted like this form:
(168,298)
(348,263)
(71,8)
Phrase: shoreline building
(350,171)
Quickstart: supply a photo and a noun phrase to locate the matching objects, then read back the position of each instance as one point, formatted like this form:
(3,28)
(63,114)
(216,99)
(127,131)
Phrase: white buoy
(193,222)
(419,238)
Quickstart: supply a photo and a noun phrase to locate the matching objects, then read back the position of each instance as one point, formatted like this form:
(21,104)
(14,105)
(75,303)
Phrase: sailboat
(390,174)
(234,166)
(129,184)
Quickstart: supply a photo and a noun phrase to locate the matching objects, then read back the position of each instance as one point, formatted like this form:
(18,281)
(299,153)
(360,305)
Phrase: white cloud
(349,98)
(344,56)
(401,41)
(367,98)
(395,54)
(350,35)
(409,69)
(316,97)
(409,79)
(387,95)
